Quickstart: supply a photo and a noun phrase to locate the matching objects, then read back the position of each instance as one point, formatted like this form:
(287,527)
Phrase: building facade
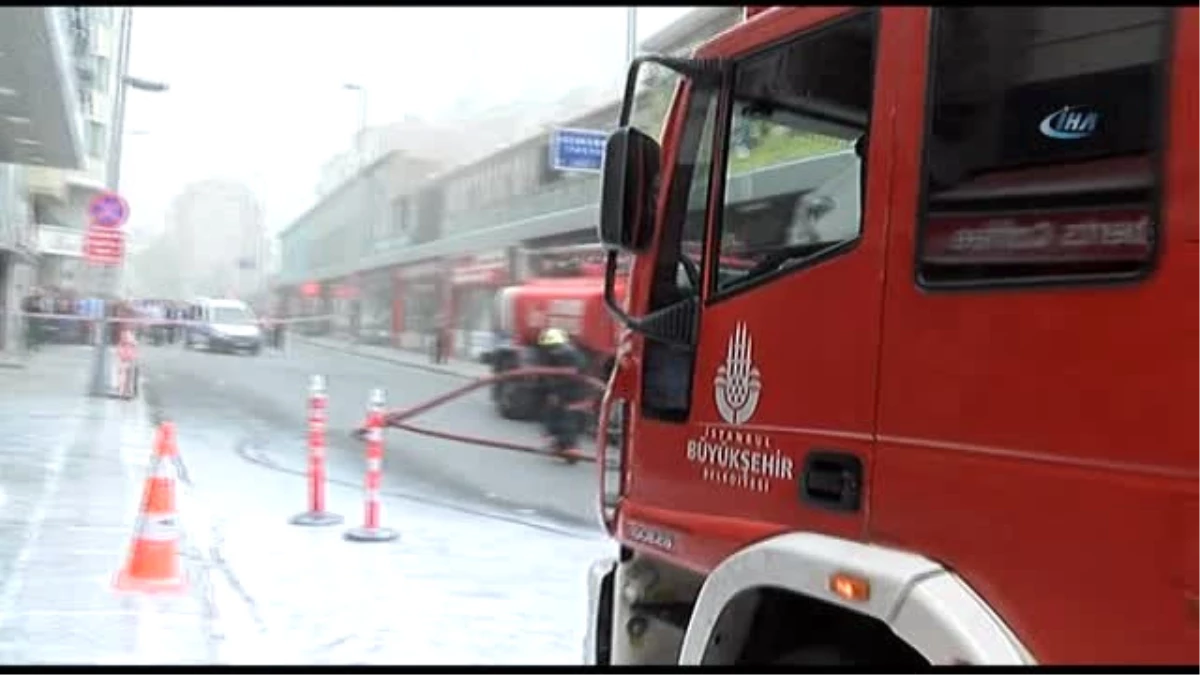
(480,224)
(214,244)
(60,196)
(43,101)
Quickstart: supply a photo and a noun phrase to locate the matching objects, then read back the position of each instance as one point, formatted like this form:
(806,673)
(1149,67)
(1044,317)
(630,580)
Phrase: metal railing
(562,196)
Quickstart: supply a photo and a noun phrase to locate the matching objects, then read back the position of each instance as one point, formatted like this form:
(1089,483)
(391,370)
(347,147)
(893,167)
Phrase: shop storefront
(344,302)
(305,300)
(377,293)
(475,281)
(421,293)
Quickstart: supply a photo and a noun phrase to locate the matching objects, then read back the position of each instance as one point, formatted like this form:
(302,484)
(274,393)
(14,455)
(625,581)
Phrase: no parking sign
(105,242)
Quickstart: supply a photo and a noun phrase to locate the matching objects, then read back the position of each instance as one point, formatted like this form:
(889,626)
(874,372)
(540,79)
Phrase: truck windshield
(796,138)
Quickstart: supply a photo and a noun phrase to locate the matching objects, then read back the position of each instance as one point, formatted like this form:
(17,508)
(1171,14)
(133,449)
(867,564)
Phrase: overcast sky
(256,93)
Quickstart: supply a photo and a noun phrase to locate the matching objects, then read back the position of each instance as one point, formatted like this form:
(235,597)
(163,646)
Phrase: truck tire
(814,655)
(515,399)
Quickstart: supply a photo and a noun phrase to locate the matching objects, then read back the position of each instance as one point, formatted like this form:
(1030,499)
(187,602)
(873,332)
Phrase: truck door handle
(832,480)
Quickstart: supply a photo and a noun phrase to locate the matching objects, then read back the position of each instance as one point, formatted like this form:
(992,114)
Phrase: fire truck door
(782,409)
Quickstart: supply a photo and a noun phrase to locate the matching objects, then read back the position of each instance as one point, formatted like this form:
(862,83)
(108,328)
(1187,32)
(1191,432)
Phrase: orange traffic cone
(153,564)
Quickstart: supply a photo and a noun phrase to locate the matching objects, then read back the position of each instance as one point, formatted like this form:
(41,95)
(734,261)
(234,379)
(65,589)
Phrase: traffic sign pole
(104,247)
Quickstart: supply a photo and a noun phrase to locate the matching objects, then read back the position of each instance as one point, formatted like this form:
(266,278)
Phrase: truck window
(683,235)
(793,185)
(1040,144)
(666,385)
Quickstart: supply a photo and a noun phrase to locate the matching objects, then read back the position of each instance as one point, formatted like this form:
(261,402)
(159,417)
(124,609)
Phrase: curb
(14,362)
(350,349)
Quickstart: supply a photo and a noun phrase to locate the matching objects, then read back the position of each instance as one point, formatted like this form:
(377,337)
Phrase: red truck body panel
(1042,443)
(574,304)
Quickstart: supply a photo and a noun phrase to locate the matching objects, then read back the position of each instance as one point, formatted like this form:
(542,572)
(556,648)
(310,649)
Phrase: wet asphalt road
(255,407)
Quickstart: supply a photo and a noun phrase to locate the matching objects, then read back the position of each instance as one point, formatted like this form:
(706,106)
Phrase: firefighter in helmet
(562,420)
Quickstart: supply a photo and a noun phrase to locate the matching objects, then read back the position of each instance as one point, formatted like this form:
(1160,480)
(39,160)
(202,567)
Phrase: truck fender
(925,605)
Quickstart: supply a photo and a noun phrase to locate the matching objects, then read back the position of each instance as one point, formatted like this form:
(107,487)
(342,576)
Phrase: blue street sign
(577,149)
(108,209)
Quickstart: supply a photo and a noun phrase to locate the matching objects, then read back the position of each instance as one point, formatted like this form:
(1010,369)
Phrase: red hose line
(396,419)
(516,373)
(475,440)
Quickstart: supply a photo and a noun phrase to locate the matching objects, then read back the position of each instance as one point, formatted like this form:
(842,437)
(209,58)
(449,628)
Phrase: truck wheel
(814,655)
(512,397)
(513,400)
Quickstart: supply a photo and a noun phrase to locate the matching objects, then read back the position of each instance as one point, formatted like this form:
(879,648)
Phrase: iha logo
(738,382)
(1070,123)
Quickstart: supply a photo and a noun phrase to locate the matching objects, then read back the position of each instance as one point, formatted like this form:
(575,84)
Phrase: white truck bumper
(599,619)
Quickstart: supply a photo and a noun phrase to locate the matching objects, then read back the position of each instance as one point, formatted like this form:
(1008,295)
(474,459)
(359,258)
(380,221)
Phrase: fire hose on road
(397,419)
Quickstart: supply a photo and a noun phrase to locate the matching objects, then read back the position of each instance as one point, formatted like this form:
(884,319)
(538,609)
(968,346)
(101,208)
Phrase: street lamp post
(362,118)
(360,164)
(630,34)
(110,277)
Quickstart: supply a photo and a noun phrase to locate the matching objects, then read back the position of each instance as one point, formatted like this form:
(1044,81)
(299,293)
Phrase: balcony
(49,182)
(38,86)
(78,27)
(85,70)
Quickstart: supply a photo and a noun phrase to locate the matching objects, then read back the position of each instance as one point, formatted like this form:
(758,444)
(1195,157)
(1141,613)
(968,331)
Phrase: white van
(223,325)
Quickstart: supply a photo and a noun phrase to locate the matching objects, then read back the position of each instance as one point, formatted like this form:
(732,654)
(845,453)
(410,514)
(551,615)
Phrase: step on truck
(947,414)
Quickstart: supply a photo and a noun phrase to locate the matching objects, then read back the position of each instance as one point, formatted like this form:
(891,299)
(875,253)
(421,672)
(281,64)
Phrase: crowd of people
(66,317)
(55,316)
(160,320)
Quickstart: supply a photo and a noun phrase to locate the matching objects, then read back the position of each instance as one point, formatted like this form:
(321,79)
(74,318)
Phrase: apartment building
(60,194)
(41,127)
(214,244)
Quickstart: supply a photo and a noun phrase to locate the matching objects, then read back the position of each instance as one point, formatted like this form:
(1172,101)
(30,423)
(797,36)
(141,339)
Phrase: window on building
(103,67)
(1040,149)
(796,127)
(97,147)
(527,174)
(488,184)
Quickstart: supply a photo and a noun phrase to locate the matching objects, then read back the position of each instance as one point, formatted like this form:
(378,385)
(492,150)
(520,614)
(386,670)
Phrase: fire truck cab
(943,408)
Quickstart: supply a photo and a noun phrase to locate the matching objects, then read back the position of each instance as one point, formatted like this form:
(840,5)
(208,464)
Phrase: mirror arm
(610,297)
(664,325)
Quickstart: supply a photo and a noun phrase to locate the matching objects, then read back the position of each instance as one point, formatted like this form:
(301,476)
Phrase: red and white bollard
(317,417)
(371,529)
(126,365)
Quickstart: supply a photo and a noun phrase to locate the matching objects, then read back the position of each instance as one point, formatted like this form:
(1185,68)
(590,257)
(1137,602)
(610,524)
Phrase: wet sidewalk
(455,588)
(72,471)
(455,367)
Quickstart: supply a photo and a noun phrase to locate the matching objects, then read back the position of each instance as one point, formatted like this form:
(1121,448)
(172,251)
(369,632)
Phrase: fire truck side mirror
(628,191)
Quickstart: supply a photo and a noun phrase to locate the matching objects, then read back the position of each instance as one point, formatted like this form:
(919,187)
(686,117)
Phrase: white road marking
(98,528)
(140,613)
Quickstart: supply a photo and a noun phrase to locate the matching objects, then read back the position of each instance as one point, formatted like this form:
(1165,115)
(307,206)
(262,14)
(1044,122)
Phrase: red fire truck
(949,414)
(569,298)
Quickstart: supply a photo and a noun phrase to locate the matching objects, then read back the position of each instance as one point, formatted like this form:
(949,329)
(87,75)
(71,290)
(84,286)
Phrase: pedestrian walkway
(72,470)
(454,367)
(458,587)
